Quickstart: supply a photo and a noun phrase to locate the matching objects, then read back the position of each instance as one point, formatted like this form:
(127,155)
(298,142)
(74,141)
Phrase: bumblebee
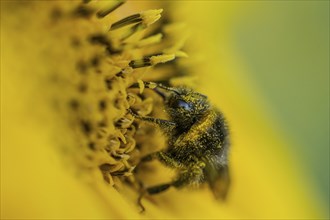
(198,141)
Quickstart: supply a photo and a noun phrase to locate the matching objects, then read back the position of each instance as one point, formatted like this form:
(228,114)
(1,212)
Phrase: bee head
(186,106)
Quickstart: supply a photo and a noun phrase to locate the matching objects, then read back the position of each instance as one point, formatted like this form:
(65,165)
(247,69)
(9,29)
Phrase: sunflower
(69,147)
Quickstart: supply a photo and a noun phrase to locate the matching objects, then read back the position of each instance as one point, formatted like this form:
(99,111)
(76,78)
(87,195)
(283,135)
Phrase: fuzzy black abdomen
(205,138)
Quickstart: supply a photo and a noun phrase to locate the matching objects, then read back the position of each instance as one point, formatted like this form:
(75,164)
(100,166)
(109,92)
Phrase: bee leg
(190,176)
(166,160)
(153,85)
(139,200)
(152,190)
(157,86)
(147,158)
(158,188)
(165,125)
(163,157)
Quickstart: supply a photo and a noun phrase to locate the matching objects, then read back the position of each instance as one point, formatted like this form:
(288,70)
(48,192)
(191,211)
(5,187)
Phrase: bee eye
(182,104)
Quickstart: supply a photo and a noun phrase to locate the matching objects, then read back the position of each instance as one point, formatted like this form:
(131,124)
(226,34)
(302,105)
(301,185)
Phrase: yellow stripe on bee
(198,129)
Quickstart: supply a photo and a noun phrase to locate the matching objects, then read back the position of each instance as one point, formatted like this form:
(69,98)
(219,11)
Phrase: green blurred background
(285,48)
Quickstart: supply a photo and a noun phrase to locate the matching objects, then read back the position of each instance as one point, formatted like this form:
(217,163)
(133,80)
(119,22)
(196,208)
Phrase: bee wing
(219,181)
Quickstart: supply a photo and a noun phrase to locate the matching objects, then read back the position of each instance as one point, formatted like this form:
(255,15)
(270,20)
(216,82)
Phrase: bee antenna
(160,93)
(153,85)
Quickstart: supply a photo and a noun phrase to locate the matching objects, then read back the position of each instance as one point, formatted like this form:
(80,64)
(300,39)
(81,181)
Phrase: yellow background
(227,43)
